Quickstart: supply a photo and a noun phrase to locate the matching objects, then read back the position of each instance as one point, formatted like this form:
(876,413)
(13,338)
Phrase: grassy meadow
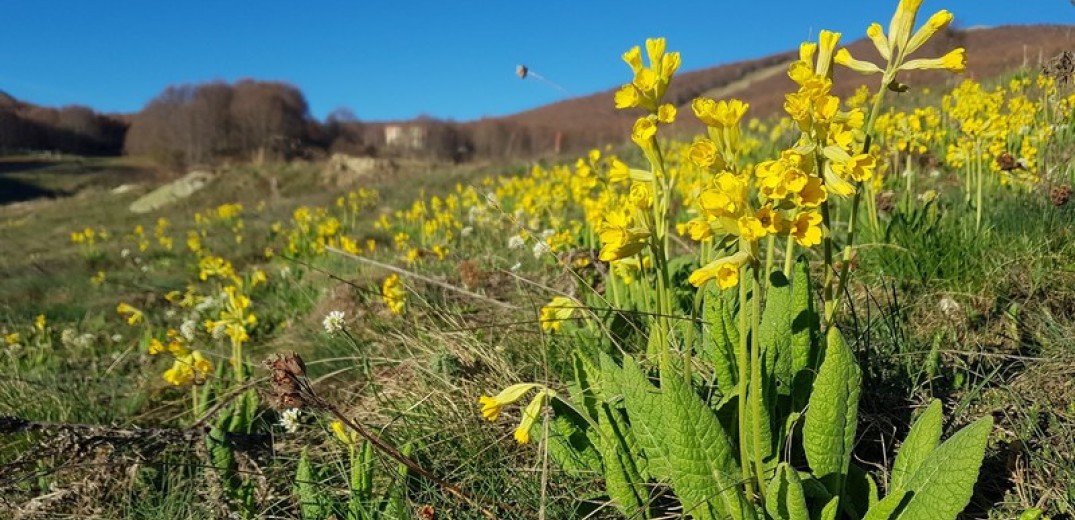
(864,308)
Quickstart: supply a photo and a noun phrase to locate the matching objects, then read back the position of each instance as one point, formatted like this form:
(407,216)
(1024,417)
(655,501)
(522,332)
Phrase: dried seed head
(289,388)
(1060,195)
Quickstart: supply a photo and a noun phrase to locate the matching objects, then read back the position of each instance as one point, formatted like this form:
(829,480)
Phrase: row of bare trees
(71,129)
(187,125)
(192,124)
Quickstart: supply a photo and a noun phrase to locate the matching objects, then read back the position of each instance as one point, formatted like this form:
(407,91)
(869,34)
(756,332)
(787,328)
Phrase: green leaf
(944,482)
(623,481)
(774,334)
(784,498)
(860,491)
(569,441)
(721,339)
(805,330)
(831,508)
(682,432)
(887,507)
(923,438)
(829,429)
(615,382)
(313,504)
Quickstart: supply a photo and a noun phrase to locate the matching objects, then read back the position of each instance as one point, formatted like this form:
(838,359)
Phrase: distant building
(410,137)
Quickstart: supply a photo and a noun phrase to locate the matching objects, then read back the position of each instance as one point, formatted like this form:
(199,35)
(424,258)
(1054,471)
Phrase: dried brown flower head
(288,381)
(1060,195)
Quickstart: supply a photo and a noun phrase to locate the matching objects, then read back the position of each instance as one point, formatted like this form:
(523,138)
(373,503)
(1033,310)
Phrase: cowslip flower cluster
(394,294)
(491,406)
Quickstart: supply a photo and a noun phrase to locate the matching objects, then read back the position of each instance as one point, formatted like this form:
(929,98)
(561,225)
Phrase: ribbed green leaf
(313,504)
(860,491)
(613,385)
(887,507)
(774,333)
(721,338)
(923,438)
(805,331)
(831,508)
(784,498)
(829,429)
(679,430)
(943,484)
(571,442)
(623,482)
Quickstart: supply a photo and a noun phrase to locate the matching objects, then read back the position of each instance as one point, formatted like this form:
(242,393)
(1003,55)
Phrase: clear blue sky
(396,60)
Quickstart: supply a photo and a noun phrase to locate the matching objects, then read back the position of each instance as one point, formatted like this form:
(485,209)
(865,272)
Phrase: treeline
(71,129)
(252,120)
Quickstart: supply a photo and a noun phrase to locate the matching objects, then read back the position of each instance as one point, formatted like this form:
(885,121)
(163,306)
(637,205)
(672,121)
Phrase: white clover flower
(205,304)
(125,253)
(333,322)
(289,420)
(540,248)
(516,241)
(84,341)
(219,330)
(188,329)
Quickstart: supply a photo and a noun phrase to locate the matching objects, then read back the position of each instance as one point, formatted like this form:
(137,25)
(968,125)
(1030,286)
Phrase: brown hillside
(592,119)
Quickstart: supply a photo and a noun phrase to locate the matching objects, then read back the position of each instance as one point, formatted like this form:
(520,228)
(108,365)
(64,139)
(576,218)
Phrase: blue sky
(396,60)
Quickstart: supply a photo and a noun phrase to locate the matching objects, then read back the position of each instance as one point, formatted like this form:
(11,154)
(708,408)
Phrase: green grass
(1002,345)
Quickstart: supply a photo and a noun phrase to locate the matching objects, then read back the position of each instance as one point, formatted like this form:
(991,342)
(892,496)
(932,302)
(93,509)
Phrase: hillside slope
(763,83)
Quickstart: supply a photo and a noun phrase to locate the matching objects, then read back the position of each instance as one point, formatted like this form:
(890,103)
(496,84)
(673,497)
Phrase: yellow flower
(724,270)
(133,315)
(843,58)
(39,322)
(806,228)
(11,338)
(192,368)
(530,415)
(954,61)
(394,294)
(492,406)
(937,22)
(645,129)
(666,113)
(628,97)
(618,238)
(751,229)
(641,196)
(703,153)
(618,171)
(556,312)
(342,433)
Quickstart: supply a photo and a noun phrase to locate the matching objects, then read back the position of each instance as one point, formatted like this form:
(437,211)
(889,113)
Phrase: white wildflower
(116,338)
(67,337)
(516,241)
(516,267)
(289,419)
(540,248)
(466,231)
(333,322)
(950,308)
(188,329)
(125,253)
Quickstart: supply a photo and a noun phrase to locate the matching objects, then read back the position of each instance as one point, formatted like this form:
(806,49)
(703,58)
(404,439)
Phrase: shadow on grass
(14,190)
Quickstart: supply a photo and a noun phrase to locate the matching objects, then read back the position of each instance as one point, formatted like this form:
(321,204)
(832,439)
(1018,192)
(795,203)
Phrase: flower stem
(744,447)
